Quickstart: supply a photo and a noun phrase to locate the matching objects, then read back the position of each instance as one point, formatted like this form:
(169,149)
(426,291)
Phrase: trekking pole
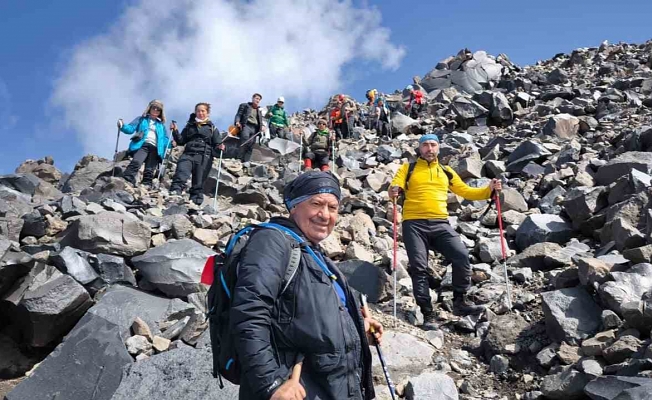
(504,250)
(217,181)
(251,139)
(390,384)
(115,153)
(395,262)
(300,150)
(333,155)
(165,156)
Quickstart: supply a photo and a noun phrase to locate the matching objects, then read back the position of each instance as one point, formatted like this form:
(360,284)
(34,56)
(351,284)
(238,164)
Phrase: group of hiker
(285,324)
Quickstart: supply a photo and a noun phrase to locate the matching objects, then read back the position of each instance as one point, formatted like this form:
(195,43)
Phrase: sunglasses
(321,123)
(280,102)
(155,108)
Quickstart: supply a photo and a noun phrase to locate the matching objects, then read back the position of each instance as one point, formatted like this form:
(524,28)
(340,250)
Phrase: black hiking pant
(318,158)
(249,130)
(147,154)
(199,166)
(421,235)
(277,131)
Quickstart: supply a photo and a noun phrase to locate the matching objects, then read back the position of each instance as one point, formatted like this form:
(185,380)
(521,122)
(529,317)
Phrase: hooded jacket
(141,124)
(308,321)
(427,193)
(198,137)
(278,116)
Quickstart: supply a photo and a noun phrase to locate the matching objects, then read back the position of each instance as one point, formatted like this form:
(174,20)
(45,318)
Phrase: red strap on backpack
(208,274)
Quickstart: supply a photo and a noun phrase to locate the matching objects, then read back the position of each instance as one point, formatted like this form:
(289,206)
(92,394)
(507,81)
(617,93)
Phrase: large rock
(623,164)
(626,287)
(86,172)
(405,355)
(504,331)
(24,183)
(582,203)
(525,153)
(511,199)
(121,305)
(401,123)
(46,304)
(571,314)
(175,267)
(93,353)
(564,126)
(431,386)
(108,232)
(14,264)
(11,227)
(566,385)
(539,228)
(112,269)
(71,262)
(621,387)
(638,314)
(42,169)
(366,278)
(191,373)
(537,256)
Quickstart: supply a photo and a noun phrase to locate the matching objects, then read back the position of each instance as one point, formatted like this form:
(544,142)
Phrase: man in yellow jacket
(426,226)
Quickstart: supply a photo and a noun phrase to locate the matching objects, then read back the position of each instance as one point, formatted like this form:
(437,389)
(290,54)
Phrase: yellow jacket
(427,191)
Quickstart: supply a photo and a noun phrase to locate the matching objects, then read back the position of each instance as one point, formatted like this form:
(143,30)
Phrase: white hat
(281,99)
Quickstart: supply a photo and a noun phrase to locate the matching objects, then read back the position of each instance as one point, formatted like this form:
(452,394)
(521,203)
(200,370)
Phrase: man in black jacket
(316,319)
(249,119)
(201,140)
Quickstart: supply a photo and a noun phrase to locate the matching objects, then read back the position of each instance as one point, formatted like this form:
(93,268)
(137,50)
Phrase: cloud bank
(220,51)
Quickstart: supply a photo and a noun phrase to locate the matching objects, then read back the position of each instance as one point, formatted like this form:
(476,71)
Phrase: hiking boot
(197,200)
(429,321)
(462,305)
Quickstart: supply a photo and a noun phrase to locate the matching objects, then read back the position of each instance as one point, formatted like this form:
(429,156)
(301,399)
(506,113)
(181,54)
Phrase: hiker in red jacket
(416,102)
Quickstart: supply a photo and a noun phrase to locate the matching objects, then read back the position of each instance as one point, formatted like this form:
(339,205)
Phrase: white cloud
(220,51)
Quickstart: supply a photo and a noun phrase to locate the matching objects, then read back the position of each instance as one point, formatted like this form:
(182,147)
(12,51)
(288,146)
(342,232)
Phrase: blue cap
(429,136)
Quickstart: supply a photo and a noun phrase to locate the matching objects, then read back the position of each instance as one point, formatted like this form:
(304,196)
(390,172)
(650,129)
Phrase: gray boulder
(565,385)
(638,314)
(72,262)
(570,314)
(367,278)
(431,386)
(582,203)
(511,199)
(401,123)
(621,387)
(539,228)
(11,227)
(24,183)
(112,269)
(93,353)
(504,330)
(526,152)
(626,287)
(85,174)
(108,232)
(192,372)
(175,267)
(405,355)
(623,164)
(46,304)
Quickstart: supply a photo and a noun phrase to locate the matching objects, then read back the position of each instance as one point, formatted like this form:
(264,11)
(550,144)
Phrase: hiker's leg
(321,159)
(200,169)
(415,237)
(244,152)
(150,164)
(307,159)
(446,241)
(181,175)
(134,165)
(273,131)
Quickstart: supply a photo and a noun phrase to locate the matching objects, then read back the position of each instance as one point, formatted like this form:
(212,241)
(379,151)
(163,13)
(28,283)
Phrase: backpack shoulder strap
(410,170)
(448,173)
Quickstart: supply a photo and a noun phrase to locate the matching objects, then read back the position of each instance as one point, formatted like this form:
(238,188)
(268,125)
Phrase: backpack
(219,300)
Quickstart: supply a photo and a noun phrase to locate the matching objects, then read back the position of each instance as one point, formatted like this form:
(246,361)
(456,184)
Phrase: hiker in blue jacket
(148,143)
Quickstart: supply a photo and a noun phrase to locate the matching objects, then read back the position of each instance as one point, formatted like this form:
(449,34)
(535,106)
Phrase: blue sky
(50,104)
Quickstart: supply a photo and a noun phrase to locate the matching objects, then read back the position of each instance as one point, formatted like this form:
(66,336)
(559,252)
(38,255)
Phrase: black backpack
(225,360)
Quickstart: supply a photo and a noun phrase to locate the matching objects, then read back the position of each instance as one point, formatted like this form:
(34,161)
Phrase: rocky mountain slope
(99,292)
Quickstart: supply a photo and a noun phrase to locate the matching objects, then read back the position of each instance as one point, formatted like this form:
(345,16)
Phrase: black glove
(192,117)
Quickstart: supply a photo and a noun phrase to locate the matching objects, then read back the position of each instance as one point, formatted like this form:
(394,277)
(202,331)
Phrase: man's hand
(120,123)
(221,147)
(496,185)
(173,126)
(394,191)
(237,124)
(374,335)
(291,389)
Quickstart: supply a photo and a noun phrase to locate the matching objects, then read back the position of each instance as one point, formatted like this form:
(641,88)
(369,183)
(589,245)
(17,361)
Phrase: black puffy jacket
(197,138)
(308,321)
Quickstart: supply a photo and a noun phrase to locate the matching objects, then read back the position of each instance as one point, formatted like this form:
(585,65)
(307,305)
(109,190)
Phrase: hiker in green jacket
(278,120)
(318,148)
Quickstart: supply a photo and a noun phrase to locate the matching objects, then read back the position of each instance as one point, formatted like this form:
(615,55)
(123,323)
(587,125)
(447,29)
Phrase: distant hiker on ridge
(425,225)
(416,102)
(201,140)
(148,143)
(278,119)
(249,119)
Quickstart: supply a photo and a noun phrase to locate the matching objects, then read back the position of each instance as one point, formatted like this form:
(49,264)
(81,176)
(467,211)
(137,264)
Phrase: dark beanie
(309,184)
